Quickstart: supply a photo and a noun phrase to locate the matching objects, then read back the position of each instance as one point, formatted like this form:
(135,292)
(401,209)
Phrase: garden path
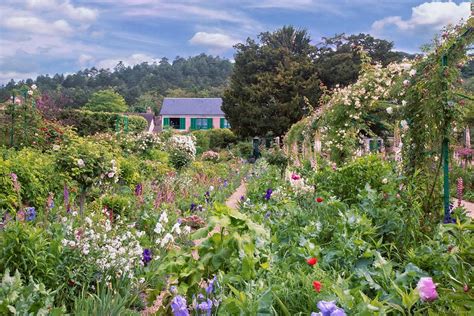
(469,207)
(233,201)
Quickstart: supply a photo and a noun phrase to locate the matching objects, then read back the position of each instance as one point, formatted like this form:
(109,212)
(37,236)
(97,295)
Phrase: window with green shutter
(166,121)
(209,123)
(224,123)
(193,123)
(182,123)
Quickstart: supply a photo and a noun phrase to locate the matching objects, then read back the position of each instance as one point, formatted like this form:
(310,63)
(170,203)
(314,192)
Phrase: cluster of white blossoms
(167,236)
(343,117)
(113,249)
(184,143)
(146,141)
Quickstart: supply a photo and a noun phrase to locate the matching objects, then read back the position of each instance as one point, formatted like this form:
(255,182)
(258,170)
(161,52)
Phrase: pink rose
(427,289)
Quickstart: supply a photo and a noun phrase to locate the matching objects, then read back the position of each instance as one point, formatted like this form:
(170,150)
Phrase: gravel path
(233,201)
(469,206)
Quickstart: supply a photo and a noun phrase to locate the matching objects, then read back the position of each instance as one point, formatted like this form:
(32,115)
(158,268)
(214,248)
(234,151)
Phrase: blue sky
(63,36)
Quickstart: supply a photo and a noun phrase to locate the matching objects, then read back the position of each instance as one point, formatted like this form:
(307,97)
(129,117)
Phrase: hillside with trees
(141,86)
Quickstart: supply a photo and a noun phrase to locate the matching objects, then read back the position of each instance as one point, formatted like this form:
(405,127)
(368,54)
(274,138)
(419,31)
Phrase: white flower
(412,72)
(164,217)
(406,83)
(389,110)
(30,92)
(404,102)
(81,163)
(88,221)
(166,240)
(34,87)
(111,174)
(384,180)
(56,147)
(211,188)
(158,228)
(404,124)
(176,229)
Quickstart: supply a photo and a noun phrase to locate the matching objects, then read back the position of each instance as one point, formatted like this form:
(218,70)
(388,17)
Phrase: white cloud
(5,77)
(32,24)
(82,14)
(131,60)
(85,59)
(428,14)
(217,40)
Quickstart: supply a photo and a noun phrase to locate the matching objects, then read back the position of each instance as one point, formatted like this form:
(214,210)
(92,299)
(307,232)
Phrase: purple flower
(329,309)
(178,306)
(138,189)
(268,194)
(427,289)
(193,207)
(267,214)
(30,214)
(226,183)
(147,256)
(242,198)
(210,287)
(16,184)
(205,307)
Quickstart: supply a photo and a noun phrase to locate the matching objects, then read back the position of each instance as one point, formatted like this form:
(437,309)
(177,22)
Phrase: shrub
(36,178)
(119,204)
(347,181)
(89,123)
(221,138)
(244,149)
(210,156)
(182,150)
(202,141)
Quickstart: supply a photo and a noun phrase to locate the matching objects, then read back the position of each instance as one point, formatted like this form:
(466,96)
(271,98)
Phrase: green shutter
(166,121)
(209,123)
(193,123)
(222,122)
(182,123)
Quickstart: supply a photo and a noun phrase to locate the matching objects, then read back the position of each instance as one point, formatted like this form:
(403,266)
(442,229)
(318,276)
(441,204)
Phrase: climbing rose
(319,200)
(312,261)
(317,286)
(427,289)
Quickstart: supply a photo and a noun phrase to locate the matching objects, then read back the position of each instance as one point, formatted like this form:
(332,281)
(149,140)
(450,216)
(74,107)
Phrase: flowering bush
(210,156)
(182,150)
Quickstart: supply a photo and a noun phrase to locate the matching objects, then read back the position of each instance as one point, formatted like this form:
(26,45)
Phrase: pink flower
(427,289)
(295,176)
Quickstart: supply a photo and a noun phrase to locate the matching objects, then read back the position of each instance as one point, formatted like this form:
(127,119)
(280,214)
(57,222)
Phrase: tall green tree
(338,62)
(106,101)
(272,83)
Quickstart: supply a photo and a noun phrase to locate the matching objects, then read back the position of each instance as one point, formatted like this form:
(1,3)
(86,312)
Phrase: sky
(64,36)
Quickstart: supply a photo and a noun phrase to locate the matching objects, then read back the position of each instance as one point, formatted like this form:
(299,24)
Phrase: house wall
(216,120)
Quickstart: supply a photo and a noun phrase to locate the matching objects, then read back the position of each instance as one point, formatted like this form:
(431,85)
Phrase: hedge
(89,123)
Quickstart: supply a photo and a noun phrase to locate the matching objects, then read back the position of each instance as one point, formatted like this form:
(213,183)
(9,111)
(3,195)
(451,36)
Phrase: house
(192,113)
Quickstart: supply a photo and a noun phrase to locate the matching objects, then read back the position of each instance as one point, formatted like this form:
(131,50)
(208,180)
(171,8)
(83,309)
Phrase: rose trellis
(433,106)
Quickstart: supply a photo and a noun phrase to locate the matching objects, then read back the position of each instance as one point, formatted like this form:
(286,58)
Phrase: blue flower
(205,307)
(30,214)
(147,256)
(178,306)
(268,195)
(210,287)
